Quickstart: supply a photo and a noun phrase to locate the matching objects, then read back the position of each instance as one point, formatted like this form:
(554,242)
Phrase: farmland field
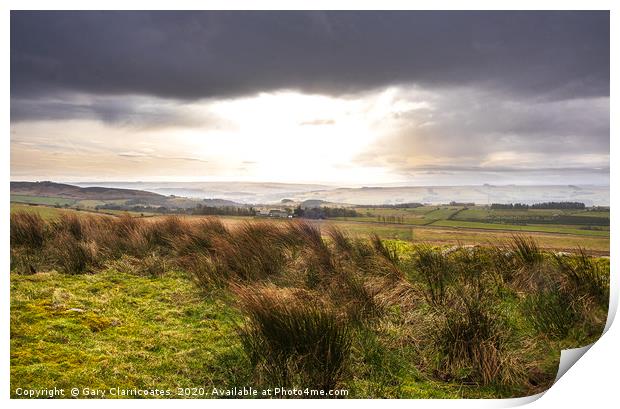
(50,201)
(560,228)
(441,232)
(49,213)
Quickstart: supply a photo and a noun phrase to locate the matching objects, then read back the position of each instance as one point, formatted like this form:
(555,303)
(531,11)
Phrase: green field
(61,201)
(50,201)
(453,236)
(45,212)
(577,222)
(528,228)
(48,212)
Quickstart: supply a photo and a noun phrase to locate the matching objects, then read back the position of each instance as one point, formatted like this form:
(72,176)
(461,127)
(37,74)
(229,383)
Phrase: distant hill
(589,194)
(52,189)
(236,193)
(220,203)
(240,192)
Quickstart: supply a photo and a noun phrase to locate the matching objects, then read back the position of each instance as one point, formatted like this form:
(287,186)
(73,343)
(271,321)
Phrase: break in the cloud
(355,97)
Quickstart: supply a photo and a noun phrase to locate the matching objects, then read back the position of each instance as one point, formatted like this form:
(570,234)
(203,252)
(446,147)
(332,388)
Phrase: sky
(341,98)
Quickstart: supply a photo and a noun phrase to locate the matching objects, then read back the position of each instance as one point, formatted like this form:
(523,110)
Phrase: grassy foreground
(103,302)
(116,329)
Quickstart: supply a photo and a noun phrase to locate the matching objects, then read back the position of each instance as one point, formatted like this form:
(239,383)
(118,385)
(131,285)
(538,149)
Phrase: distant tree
(545,205)
(559,205)
(298,212)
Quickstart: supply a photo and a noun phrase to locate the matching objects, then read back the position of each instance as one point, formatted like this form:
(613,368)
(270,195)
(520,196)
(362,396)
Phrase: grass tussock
(436,272)
(526,251)
(473,344)
(198,237)
(551,312)
(585,277)
(388,254)
(310,244)
(252,252)
(292,339)
(74,256)
(28,230)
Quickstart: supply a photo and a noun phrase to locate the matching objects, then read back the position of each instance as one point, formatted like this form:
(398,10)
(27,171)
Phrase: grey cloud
(132,155)
(131,111)
(450,169)
(191,55)
(466,127)
(532,84)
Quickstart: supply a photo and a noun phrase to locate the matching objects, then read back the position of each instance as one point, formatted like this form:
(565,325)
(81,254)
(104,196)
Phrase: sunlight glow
(282,136)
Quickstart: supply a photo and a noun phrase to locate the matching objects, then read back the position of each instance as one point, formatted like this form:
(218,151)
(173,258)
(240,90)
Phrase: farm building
(278,213)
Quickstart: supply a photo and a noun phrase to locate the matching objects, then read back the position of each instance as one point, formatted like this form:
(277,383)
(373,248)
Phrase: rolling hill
(61,190)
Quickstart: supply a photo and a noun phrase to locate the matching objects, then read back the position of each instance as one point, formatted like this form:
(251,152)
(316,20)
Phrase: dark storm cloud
(132,111)
(189,55)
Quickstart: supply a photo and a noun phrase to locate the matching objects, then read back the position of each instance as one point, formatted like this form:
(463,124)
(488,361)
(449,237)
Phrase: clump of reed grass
(206,272)
(473,343)
(26,261)
(198,237)
(387,253)
(254,251)
(527,269)
(355,296)
(402,293)
(307,238)
(70,223)
(153,265)
(74,256)
(551,312)
(27,229)
(126,235)
(526,250)
(371,257)
(584,277)
(502,263)
(342,242)
(292,338)
(436,272)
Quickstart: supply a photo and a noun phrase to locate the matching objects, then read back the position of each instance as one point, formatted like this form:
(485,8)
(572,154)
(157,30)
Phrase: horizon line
(326,184)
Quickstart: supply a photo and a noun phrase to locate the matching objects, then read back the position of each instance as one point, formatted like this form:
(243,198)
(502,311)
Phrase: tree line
(324,212)
(544,205)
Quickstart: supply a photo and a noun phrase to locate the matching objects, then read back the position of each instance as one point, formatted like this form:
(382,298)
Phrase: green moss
(114,329)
